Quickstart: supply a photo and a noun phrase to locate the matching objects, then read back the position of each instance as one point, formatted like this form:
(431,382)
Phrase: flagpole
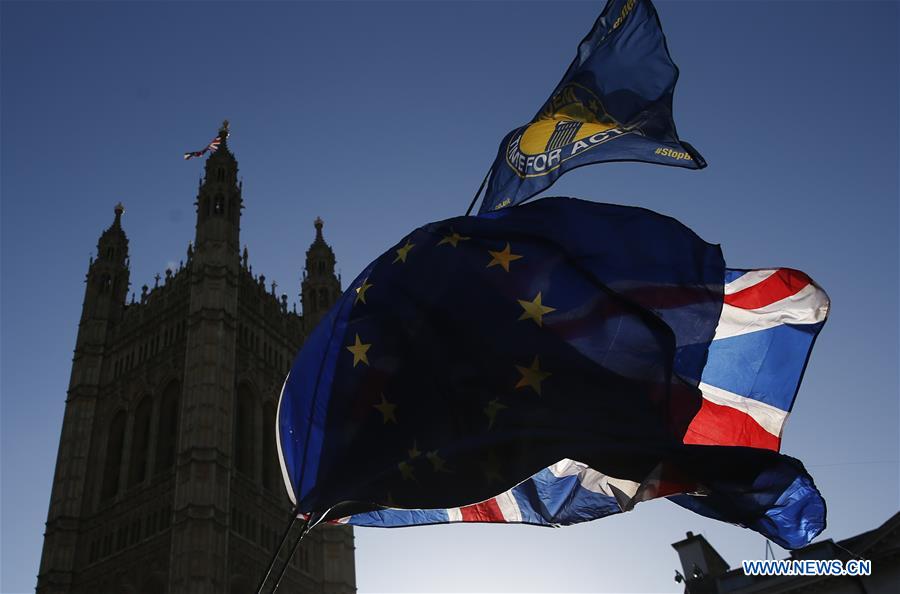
(310,524)
(274,560)
(478,193)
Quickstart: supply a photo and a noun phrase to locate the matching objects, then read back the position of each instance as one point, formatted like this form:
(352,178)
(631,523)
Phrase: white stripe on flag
(454,515)
(769,417)
(630,488)
(509,507)
(566,467)
(749,279)
(590,479)
(809,305)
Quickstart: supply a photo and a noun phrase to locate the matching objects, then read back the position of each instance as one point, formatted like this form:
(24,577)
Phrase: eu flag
(765,334)
(613,104)
(480,350)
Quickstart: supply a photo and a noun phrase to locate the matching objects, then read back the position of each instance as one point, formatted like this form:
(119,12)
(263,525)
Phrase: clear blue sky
(381,116)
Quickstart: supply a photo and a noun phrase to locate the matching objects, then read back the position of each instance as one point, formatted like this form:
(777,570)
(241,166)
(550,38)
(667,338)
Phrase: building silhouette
(167,478)
(705,572)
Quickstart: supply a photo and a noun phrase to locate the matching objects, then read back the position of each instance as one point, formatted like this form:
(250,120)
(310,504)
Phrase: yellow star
(414,452)
(503,257)
(532,376)
(387,410)
(453,239)
(361,292)
(403,252)
(491,410)
(359,351)
(436,461)
(534,310)
(406,471)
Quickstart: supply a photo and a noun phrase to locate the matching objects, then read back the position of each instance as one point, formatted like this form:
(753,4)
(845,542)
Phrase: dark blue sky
(381,116)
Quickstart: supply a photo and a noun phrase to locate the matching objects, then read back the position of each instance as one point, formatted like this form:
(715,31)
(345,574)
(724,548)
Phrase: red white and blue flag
(766,331)
(769,321)
(212,147)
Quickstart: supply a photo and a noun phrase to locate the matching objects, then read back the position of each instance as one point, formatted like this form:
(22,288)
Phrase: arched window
(221,174)
(244,439)
(140,442)
(323,298)
(219,204)
(167,434)
(271,470)
(114,441)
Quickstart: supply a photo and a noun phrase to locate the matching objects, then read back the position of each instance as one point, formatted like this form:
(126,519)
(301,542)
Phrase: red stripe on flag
(716,424)
(486,511)
(782,284)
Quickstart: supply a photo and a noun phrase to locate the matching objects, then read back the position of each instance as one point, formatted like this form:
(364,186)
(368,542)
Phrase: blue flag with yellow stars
(480,350)
(613,104)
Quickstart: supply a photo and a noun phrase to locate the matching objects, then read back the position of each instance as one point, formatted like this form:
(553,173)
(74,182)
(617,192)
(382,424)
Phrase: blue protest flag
(482,351)
(614,103)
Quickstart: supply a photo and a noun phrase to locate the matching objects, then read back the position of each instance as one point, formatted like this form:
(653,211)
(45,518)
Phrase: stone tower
(167,478)
(320,288)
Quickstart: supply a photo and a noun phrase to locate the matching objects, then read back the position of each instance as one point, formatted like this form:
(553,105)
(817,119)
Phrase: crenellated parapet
(262,300)
(149,328)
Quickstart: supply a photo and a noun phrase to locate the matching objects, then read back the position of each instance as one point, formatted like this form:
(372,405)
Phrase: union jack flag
(210,148)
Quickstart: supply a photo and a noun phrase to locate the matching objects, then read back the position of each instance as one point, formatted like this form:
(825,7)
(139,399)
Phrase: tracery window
(167,425)
(140,442)
(244,425)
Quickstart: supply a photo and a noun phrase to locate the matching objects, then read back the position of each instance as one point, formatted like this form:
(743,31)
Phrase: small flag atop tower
(213,146)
